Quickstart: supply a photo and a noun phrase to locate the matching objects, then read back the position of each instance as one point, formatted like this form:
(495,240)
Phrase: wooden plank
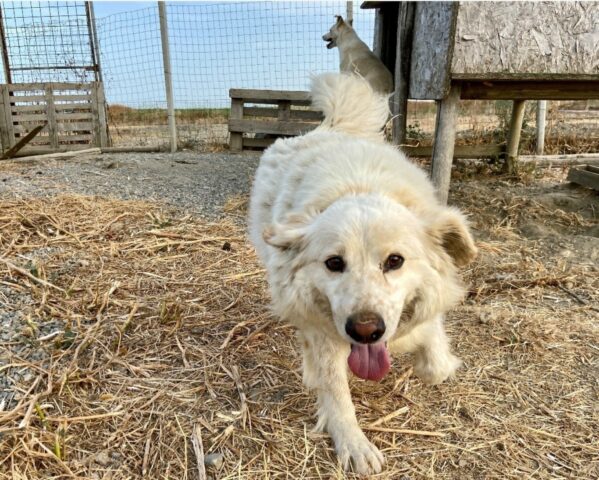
(12,151)
(62,155)
(530,90)
(284,111)
(513,141)
(526,38)
(434,30)
(40,108)
(75,116)
(18,87)
(585,176)
(6,131)
(85,137)
(133,149)
(28,117)
(101,119)
(273,113)
(72,107)
(51,118)
(280,128)
(443,148)
(399,105)
(73,98)
(77,127)
(27,98)
(270,96)
(236,114)
(461,151)
(258,142)
(560,160)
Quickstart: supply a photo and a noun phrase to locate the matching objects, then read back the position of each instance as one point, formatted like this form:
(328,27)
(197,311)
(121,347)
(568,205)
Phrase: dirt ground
(135,321)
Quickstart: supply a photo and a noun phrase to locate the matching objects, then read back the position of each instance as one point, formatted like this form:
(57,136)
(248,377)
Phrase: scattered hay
(165,351)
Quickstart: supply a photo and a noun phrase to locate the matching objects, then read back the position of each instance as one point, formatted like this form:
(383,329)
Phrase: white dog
(356,57)
(360,255)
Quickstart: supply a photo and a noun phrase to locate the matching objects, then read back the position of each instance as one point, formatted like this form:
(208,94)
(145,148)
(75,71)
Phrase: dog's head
(366,260)
(336,31)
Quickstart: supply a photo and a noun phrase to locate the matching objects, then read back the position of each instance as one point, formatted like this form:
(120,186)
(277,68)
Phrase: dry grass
(167,332)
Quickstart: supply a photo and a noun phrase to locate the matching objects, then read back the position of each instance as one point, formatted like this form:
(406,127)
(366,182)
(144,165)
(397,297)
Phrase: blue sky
(215,46)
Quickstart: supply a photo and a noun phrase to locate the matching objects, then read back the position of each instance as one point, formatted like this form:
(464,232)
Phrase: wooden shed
(447,51)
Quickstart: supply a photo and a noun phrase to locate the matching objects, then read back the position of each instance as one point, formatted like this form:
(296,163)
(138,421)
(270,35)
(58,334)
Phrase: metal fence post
(168,81)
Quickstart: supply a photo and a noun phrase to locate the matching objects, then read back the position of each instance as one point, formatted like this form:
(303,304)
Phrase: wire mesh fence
(214,47)
(47,42)
(218,46)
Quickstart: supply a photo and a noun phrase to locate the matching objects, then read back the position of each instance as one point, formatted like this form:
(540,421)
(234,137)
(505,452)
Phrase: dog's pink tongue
(370,362)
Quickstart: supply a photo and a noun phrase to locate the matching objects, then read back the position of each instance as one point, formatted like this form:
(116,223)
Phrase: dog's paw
(356,451)
(433,370)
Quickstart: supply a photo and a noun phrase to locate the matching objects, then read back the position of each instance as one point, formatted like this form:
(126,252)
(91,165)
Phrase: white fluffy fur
(340,190)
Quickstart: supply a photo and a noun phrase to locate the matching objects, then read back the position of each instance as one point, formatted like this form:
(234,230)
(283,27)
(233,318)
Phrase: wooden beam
(587,176)
(530,90)
(447,111)
(236,138)
(61,155)
(513,141)
(12,151)
(560,160)
(461,151)
(277,128)
(405,29)
(296,97)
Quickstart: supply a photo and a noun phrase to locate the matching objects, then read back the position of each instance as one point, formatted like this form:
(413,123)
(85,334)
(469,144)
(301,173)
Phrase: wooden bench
(275,113)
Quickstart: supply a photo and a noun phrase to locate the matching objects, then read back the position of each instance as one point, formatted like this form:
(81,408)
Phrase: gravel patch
(197,183)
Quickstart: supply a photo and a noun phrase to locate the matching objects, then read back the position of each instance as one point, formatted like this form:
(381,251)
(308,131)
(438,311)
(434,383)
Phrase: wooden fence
(74,114)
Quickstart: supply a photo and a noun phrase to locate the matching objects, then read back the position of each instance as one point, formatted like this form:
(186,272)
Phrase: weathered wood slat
(75,116)
(64,107)
(236,138)
(18,87)
(586,176)
(28,117)
(258,142)
(41,107)
(273,113)
(530,90)
(51,117)
(280,128)
(76,127)
(87,137)
(460,151)
(296,97)
(27,98)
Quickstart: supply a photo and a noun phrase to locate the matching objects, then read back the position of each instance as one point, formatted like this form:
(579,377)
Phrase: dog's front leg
(325,370)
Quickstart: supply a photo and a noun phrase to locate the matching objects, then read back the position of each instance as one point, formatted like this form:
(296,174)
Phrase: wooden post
(51,116)
(399,109)
(511,157)
(6,135)
(377,40)
(349,13)
(236,138)
(445,127)
(168,81)
(541,116)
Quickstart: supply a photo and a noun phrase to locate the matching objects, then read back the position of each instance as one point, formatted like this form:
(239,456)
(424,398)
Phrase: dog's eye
(335,264)
(393,262)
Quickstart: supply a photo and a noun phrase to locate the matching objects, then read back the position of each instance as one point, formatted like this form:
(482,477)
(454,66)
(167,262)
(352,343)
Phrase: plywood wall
(526,40)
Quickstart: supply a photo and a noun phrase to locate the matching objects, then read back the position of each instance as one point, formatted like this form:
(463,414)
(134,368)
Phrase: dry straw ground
(166,331)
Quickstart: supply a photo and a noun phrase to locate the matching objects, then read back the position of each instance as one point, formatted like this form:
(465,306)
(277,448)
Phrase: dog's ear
(290,234)
(450,231)
(339,20)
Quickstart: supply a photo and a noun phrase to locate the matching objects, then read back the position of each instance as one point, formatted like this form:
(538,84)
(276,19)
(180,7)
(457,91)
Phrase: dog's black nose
(365,327)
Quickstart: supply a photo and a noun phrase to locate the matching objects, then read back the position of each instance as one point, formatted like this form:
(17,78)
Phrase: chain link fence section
(214,47)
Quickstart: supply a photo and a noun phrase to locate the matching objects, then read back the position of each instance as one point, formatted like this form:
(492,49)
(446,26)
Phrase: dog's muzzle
(365,327)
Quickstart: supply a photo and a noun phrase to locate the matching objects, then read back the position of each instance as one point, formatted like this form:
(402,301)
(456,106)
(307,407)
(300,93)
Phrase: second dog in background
(356,57)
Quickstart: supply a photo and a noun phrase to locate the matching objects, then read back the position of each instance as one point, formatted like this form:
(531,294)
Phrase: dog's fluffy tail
(350,105)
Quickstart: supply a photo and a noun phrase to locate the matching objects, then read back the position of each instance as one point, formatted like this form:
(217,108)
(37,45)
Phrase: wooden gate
(74,115)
